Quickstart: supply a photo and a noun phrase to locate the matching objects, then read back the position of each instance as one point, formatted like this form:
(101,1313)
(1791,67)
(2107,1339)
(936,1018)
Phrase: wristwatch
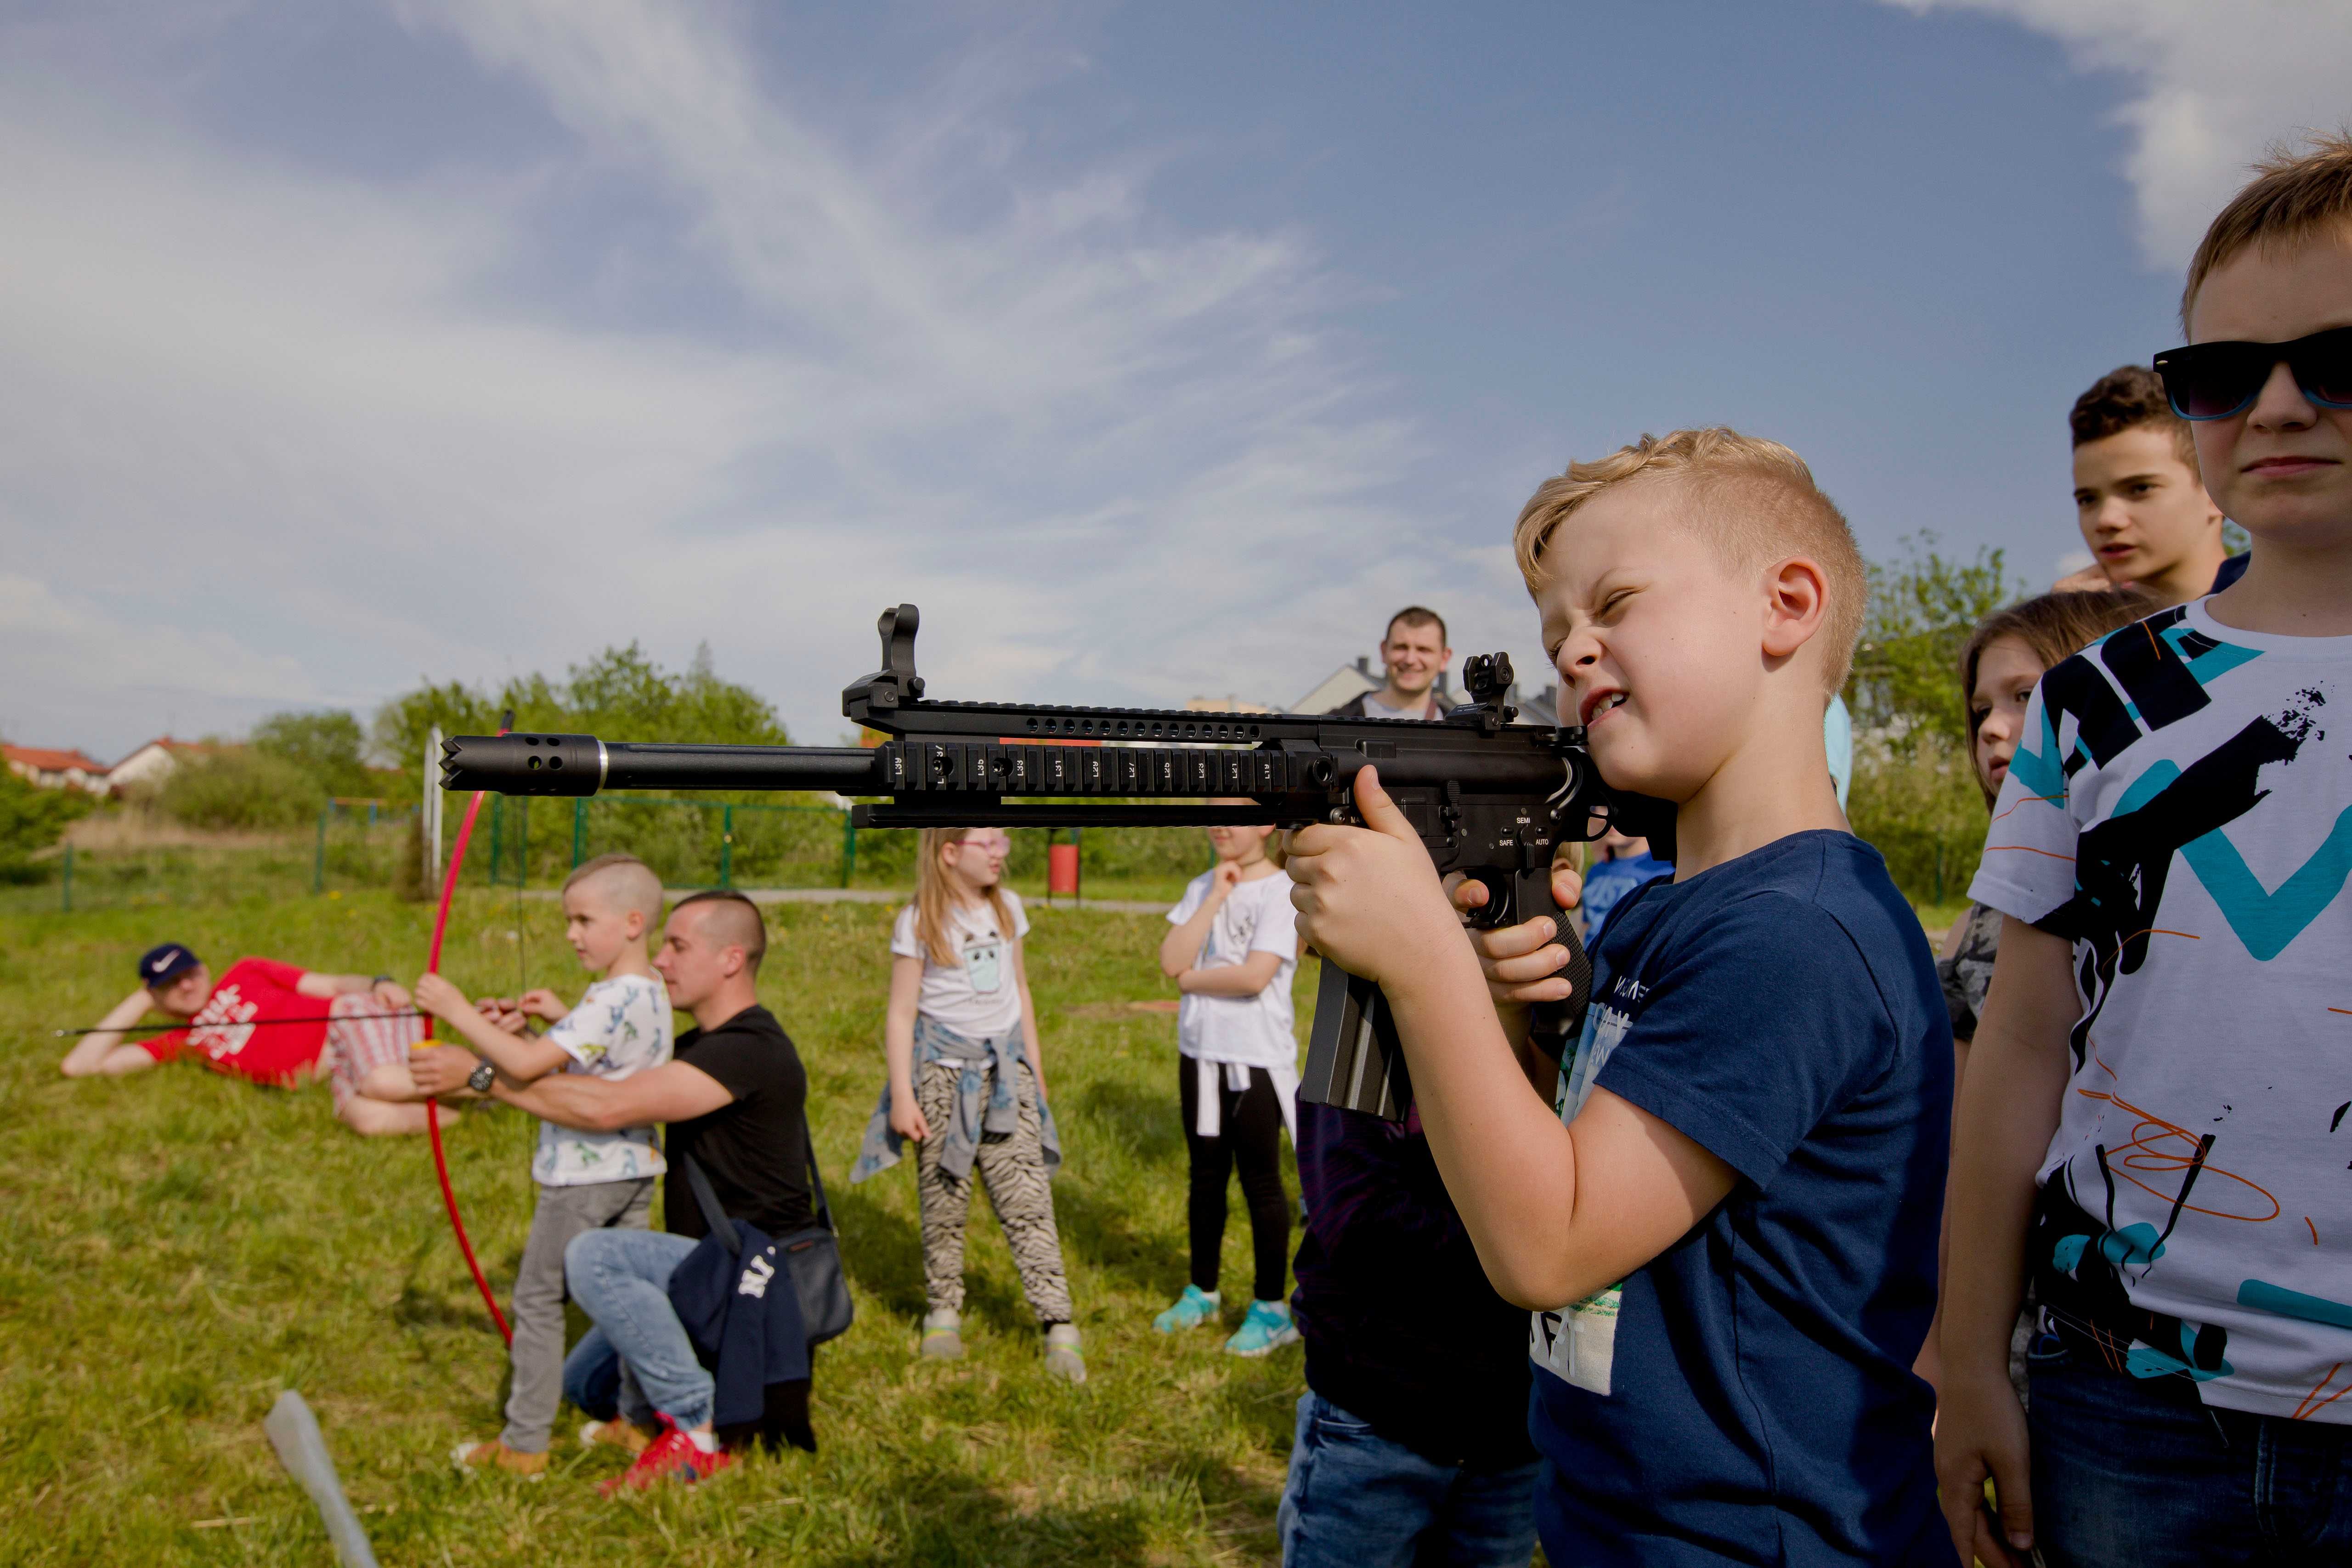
(481,1078)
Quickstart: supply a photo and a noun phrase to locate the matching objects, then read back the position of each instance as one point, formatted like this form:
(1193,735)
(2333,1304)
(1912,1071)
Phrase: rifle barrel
(540,764)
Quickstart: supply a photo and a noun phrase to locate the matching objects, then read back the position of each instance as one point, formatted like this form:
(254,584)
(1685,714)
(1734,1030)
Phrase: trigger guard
(1496,910)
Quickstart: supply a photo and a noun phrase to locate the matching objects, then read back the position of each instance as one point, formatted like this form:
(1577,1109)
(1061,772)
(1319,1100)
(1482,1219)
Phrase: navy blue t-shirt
(1747,1397)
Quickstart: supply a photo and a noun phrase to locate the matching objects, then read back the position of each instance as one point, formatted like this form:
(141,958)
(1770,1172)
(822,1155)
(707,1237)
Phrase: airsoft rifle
(1491,799)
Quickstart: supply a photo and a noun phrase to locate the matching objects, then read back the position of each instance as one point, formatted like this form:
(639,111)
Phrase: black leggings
(1252,1139)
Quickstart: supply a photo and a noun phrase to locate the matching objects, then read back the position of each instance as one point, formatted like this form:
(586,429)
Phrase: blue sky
(1155,350)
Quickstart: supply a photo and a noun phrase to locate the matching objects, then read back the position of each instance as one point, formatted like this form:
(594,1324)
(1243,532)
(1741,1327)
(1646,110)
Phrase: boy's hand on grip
(1367,898)
(1522,962)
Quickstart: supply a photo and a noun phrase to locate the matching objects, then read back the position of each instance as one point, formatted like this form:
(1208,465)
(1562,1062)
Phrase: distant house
(1226,705)
(1343,684)
(1352,681)
(152,762)
(52,769)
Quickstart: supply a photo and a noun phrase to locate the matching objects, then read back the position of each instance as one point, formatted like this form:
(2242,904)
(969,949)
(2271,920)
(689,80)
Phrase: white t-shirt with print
(980,997)
(1250,1031)
(2180,808)
(620,1027)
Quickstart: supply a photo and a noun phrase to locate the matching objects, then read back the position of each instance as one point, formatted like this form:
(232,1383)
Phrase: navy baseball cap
(161,965)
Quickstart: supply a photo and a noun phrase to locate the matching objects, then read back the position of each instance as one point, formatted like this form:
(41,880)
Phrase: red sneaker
(672,1456)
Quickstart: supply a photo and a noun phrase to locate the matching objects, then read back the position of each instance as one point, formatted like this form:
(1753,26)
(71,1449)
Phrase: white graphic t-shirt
(2180,808)
(620,1027)
(1249,1031)
(979,997)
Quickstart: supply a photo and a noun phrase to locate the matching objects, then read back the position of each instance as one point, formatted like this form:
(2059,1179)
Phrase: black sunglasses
(2213,381)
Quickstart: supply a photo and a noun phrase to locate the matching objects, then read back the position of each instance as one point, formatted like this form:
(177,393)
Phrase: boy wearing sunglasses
(2154,1123)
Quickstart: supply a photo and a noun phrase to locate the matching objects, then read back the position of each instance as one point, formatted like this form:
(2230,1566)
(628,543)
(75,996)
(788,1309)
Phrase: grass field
(180,1246)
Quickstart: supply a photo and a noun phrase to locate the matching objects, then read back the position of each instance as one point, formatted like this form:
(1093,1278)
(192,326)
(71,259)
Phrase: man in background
(1415,654)
(2139,497)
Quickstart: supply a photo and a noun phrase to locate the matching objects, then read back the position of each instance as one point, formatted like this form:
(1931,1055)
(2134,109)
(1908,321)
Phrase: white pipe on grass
(294,1433)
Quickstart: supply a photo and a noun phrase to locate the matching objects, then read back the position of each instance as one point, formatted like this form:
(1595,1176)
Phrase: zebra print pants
(1013,1171)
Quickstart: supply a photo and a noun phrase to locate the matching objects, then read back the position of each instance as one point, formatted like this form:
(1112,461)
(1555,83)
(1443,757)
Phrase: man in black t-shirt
(735,1096)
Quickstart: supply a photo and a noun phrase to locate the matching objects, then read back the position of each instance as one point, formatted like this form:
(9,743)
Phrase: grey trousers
(537,1354)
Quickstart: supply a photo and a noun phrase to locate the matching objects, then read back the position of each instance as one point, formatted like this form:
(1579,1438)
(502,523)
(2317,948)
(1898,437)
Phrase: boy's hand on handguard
(1522,962)
(436,996)
(441,1070)
(906,1118)
(1367,898)
(542,1003)
(1981,1432)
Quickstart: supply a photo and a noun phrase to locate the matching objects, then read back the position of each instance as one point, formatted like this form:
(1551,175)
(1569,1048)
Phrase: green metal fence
(689,843)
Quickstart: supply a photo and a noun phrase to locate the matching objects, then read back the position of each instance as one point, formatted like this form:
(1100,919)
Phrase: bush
(242,788)
(33,819)
(1920,805)
(325,746)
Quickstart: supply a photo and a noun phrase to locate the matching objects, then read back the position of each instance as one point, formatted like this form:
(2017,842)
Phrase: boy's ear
(1796,600)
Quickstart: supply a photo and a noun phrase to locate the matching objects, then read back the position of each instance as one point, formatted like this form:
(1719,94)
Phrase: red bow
(432,1107)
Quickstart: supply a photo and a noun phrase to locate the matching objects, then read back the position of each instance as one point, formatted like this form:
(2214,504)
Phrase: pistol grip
(1555,1024)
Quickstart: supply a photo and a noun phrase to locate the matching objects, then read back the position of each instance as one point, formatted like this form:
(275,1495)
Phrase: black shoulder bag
(813,1255)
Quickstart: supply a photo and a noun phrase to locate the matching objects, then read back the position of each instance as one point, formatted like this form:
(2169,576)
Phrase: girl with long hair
(966,1086)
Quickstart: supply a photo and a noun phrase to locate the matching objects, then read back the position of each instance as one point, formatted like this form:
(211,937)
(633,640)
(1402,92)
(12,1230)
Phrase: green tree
(33,819)
(1905,683)
(621,694)
(1915,794)
(326,746)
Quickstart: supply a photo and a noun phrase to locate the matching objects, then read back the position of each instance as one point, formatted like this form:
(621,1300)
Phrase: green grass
(180,1246)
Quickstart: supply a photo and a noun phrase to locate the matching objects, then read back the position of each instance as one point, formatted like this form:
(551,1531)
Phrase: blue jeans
(1354,1500)
(592,1376)
(2132,1472)
(621,1279)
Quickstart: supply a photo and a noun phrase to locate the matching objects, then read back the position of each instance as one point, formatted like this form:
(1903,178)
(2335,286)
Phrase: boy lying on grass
(587,1181)
(273,1024)
(1728,1226)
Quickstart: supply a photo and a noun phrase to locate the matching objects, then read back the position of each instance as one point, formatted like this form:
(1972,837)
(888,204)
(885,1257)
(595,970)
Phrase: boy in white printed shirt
(2152,1123)
(587,1181)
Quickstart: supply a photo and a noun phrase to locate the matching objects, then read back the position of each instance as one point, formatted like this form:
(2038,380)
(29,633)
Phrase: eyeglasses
(2213,381)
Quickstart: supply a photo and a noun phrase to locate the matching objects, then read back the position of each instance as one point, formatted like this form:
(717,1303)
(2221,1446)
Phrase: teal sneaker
(1267,1329)
(1192,1309)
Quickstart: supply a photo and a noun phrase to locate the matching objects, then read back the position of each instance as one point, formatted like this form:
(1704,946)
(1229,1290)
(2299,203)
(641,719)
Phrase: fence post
(726,845)
(319,856)
(848,848)
(497,820)
(523,842)
(68,889)
(579,827)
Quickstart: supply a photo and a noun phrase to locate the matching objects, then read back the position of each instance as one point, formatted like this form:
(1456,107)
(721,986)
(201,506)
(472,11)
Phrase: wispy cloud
(349,428)
(2218,81)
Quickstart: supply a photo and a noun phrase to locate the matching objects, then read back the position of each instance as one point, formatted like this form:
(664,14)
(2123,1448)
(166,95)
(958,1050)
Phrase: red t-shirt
(234,1028)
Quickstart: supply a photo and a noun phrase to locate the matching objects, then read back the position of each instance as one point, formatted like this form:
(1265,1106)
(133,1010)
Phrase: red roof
(48,759)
